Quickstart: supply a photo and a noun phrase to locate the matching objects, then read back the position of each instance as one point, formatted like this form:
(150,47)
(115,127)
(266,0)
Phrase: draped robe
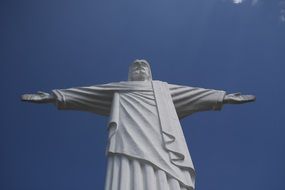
(146,146)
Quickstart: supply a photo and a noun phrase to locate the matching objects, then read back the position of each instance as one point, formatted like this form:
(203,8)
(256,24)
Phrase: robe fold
(144,124)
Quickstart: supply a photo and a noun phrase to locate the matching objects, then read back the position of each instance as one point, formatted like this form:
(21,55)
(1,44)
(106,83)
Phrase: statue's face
(140,71)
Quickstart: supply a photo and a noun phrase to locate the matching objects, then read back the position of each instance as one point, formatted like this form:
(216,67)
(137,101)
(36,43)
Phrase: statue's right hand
(39,97)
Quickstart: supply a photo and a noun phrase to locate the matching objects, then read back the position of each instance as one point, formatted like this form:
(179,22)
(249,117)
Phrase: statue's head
(140,70)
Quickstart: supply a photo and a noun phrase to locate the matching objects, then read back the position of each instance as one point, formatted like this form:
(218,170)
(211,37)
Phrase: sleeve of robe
(188,100)
(97,99)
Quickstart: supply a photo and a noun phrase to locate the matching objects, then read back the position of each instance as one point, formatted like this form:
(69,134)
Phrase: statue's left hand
(237,98)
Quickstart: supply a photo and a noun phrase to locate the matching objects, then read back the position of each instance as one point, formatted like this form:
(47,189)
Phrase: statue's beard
(140,77)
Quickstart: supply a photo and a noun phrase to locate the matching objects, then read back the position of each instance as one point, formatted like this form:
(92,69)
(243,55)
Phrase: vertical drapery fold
(133,174)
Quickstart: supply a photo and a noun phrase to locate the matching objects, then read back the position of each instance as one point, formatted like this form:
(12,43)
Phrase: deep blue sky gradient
(207,43)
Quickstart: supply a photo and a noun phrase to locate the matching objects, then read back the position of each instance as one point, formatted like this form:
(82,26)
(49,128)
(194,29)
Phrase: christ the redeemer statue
(146,146)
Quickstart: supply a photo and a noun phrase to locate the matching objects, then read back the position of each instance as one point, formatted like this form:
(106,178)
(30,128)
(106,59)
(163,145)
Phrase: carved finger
(42,93)
(26,97)
(249,97)
(236,94)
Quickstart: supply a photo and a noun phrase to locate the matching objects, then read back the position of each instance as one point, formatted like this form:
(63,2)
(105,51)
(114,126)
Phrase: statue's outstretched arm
(39,97)
(237,98)
(95,99)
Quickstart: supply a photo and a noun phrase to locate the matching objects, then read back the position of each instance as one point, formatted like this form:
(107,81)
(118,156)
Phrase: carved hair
(141,61)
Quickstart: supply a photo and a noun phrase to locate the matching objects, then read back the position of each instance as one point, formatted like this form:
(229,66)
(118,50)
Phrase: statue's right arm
(39,97)
(96,99)
(92,99)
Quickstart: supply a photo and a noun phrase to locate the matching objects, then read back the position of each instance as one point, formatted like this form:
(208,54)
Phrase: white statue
(147,149)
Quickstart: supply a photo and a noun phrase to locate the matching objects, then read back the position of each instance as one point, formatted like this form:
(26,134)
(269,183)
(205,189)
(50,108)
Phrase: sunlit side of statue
(146,146)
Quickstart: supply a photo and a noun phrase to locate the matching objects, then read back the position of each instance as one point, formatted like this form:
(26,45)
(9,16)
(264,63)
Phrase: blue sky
(237,46)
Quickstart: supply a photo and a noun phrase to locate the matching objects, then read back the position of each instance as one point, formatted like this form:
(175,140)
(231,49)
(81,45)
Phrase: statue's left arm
(189,100)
